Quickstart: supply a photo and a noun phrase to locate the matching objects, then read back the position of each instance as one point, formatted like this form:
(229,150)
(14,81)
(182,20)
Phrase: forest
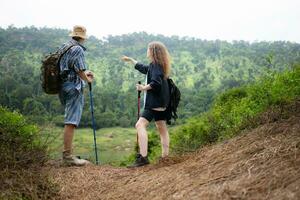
(200,68)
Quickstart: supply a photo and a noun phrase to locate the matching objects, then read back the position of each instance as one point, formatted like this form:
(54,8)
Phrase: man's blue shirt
(71,63)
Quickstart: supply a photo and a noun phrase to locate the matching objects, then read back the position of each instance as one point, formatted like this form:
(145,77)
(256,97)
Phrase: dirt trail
(263,163)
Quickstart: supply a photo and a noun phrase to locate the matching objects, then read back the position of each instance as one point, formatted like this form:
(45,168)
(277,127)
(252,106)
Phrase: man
(74,75)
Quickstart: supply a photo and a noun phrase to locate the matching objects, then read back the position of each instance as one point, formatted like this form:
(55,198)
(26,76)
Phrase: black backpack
(175,96)
(50,70)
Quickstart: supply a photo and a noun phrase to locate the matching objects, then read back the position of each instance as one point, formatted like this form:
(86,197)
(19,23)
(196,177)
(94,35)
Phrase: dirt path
(261,164)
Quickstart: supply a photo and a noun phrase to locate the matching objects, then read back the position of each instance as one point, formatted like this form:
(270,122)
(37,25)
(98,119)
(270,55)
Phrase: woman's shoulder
(154,64)
(156,67)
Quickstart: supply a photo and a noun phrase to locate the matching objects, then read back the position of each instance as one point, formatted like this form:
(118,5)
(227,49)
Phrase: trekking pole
(138,116)
(139,102)
(93,122)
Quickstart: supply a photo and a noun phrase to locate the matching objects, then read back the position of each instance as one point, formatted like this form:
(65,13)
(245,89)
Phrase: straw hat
(79,31)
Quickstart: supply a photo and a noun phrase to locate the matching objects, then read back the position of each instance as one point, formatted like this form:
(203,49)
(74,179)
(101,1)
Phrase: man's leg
(68,139)
(68,157)
(73,111)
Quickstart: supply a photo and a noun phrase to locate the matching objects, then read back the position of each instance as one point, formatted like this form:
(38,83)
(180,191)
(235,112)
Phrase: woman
(156,98)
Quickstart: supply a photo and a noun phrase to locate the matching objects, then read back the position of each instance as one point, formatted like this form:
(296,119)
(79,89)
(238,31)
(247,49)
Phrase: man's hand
(90,76)
(86,76)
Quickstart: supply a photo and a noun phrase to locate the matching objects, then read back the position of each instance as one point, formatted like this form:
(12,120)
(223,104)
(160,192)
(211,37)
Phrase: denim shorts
(72,100)
(157,115)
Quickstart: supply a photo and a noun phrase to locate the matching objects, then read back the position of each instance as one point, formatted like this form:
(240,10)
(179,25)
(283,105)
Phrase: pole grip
(90,86)
(139,92)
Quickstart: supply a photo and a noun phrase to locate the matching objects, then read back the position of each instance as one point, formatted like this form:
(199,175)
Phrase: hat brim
(80,36)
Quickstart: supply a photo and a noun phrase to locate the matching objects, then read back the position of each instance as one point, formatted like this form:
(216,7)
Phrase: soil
(262,163)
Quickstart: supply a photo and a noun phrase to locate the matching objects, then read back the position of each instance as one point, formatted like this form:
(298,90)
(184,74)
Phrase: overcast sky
(206,19)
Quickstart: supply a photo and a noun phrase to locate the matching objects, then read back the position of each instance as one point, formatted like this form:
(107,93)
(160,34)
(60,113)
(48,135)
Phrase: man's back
(71,63)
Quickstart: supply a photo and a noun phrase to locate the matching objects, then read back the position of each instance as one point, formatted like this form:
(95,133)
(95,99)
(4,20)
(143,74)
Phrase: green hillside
(201,69)
(240,108)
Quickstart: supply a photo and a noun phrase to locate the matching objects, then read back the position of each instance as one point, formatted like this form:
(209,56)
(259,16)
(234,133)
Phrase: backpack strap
(64,50)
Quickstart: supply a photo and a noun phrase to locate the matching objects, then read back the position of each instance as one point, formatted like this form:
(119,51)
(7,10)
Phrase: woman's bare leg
(140,126)
(164,137)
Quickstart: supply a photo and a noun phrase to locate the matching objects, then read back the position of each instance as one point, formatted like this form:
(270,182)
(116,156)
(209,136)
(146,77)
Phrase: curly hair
(159,54)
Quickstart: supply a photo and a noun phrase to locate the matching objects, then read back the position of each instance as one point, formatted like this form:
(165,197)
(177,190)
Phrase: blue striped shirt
(72,62)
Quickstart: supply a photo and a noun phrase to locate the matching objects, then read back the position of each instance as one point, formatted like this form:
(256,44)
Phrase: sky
(250,20)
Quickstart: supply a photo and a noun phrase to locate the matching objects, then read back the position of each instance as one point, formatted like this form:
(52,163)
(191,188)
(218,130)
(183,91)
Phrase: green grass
(114,144)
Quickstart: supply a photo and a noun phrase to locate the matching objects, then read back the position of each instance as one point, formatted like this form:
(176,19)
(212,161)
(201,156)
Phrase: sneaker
(71,160)
(140,161)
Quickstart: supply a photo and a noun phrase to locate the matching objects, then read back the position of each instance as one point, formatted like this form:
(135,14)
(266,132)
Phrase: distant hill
(201,68)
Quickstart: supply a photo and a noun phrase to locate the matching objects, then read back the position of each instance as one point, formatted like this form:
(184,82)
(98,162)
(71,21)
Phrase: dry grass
(22,174)
(262,163)
(30,183)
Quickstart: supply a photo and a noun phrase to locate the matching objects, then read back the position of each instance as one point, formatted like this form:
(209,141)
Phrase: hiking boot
(71,160)
(140,161)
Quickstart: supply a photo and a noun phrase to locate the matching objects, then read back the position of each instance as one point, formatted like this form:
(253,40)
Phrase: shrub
(236,109)
(22,156)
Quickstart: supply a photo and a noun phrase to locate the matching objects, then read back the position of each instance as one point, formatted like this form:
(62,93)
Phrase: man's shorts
(73,101)
(157,115)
